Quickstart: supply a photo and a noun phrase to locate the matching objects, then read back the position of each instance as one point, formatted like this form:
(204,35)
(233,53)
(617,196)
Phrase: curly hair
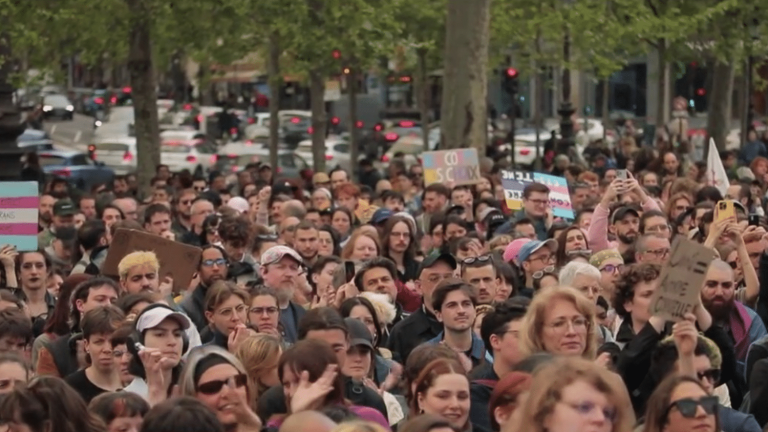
(630,277)
(235,230)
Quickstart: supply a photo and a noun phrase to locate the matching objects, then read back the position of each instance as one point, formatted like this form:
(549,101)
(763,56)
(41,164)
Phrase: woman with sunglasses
(571,244)
(681,404)
(218,379)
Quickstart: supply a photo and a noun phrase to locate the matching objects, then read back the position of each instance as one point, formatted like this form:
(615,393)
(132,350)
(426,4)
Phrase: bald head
(294,208)
(307,421)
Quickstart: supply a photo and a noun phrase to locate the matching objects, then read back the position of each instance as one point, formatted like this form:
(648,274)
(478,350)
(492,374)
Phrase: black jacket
(194,306)
(411,332)
(272,402)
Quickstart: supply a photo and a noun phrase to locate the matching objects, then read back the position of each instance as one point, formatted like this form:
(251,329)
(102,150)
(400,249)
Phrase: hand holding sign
(679,291)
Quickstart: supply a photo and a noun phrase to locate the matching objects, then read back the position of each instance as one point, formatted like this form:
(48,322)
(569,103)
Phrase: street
(75,134)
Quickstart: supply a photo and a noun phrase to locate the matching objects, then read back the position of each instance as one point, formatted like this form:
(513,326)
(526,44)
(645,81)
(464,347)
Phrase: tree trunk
(275,83)
(204,92)
(319,119)
(353,140)
(538,114)
(11,125)
(422,82)
(719,103)
(142,72)
(605,107)
(465,81)
(661,103)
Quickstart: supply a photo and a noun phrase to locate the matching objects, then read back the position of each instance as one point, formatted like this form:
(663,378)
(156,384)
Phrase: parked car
(57,106)
(336,151)
(198,155)
(117,153)
(34,140)
(76,167)
(233,157)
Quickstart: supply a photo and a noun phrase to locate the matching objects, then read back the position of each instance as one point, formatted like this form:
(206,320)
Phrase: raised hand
(309,395)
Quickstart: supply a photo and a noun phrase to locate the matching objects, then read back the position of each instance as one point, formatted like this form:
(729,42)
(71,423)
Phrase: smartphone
(724,210)
(349,271)
(754,220)
(621,174)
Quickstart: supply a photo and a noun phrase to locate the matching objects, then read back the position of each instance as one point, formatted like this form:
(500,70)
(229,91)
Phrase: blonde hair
(549,383)
(385,311)
(500,241)
(358,426)
(349,248)
(259,354)
(531,341)
(135,259)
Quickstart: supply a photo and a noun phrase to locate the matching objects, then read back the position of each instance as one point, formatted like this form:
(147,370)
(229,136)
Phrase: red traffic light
(336,54)
(511,72)
(701,92)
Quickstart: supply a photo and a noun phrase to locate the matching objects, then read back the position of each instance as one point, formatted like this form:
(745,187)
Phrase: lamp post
(11,125)
(749,107)
(566,110)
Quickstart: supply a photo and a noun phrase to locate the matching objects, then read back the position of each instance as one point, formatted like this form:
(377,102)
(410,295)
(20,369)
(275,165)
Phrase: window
(51,160)
(81,159)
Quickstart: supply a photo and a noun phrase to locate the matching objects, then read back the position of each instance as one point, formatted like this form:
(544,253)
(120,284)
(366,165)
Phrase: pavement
(71,135)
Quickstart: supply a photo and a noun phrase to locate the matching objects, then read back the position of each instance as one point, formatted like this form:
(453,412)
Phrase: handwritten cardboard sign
(177,260)
(364,211)
(19,206)
(514,182)
(459,167)
(681,280)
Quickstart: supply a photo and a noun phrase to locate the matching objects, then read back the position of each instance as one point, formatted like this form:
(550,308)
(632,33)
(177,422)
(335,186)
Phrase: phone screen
(349,270)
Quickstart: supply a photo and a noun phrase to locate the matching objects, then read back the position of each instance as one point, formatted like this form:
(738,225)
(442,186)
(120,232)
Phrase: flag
(715,171)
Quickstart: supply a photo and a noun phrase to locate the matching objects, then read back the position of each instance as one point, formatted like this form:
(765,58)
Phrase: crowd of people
(385,305)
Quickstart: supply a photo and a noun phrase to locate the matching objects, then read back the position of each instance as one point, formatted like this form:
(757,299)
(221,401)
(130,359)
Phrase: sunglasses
(688,407)
(213,262)
(713,375)
(213,387)
(541,273)
(472,260)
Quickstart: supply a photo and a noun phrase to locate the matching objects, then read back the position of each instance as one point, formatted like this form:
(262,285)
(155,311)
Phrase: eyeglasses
(544,258)
(118,353)
(714,284)
(657,228)
(472,260)
(578,324)
(658,253)
(587,408)
(610,268)
(271,310)
(541,273)
(213,387)
(214,262)
(687,407)
(713,375)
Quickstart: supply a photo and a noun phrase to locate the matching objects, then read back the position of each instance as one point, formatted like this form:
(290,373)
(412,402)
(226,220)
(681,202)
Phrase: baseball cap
(434,258)
(153,317)
(320,177)
(358,333)
(276,253)
(456,209)
(621,212)
(513,249)
(534,245)
(381,215)
(64,207)
(238,203)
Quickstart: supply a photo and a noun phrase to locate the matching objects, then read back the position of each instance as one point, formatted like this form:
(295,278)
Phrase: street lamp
(566,110)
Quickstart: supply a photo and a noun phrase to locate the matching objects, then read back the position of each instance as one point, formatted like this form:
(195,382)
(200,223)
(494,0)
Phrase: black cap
(456,209)
(358,333)
(64,207)
(434,258)
(621,212)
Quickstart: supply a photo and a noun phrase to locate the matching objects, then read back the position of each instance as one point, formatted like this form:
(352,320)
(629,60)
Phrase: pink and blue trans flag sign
(19,206)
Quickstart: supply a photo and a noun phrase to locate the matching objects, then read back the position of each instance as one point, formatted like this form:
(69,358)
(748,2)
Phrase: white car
(118,153)
(336,151)
(259,128)
(187,149)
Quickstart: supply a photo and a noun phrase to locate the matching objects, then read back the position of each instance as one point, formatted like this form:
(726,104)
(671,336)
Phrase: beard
(284,295)
(719,307)
(628,238)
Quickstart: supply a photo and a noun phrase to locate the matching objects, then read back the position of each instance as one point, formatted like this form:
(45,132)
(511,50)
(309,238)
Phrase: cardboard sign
(177,260)
(364,211)
(514,182)
(681,280)
(19,207)
(459,167)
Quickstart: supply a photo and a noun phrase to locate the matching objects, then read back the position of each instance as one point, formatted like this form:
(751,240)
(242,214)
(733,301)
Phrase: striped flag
(19,206)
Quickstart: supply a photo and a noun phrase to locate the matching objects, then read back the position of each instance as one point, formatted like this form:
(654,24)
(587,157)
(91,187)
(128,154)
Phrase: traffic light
(336,54)
(510,81)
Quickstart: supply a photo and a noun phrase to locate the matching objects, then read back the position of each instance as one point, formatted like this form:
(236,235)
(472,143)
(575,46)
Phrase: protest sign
(514,182)
(177,260)
(681,280)
(364,211)
(458,167)
(19,206)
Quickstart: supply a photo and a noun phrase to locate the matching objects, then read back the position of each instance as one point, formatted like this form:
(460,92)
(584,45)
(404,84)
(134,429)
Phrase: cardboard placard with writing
(177,260)
(457,167)
(681,280)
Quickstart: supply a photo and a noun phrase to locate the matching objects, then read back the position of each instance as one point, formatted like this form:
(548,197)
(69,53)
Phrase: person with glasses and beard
(212,268)
(535,259)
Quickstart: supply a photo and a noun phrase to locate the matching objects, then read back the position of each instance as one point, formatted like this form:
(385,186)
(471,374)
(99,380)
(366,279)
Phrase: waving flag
(715,171)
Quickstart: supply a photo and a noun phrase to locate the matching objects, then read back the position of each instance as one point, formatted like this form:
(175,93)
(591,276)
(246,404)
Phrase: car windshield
(56,100)
(50,160)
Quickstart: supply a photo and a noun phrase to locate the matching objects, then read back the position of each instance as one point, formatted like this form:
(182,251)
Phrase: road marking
(53,129)
(77,136)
